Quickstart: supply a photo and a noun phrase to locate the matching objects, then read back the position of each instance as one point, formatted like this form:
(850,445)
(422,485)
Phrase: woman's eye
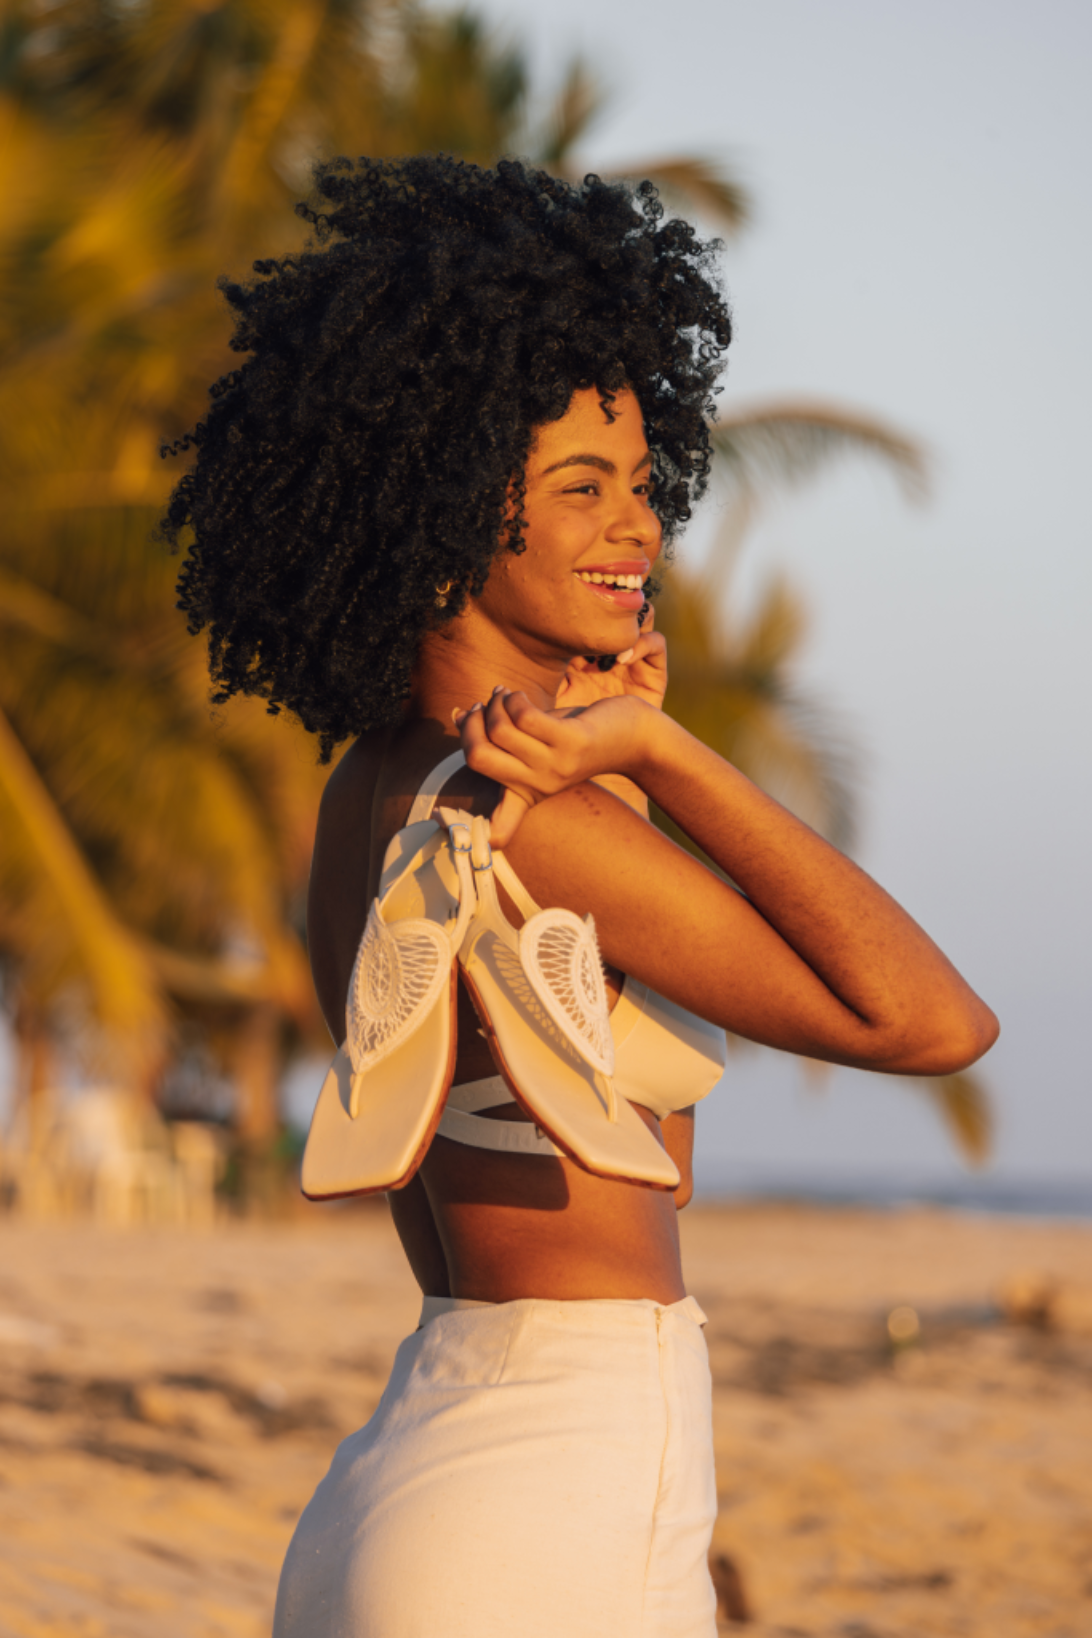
(583,489)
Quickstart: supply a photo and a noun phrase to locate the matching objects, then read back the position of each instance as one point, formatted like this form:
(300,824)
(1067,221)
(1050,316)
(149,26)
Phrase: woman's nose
(635,520)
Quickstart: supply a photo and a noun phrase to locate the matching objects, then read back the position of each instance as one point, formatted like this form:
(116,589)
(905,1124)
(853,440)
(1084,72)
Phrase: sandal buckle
(481,856)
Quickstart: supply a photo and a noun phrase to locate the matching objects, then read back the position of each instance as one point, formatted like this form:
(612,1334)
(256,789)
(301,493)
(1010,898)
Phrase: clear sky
(922,248)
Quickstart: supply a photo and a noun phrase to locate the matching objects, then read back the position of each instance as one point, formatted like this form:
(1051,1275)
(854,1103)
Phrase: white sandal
(542,1001)
(383,1096)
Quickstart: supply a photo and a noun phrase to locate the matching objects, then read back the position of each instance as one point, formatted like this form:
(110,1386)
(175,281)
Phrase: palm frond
(234,982)
(194,858)
(778,446)
(48,885)
(801,755)
(297,35)
(461,89)
(732,687)
(962,1101)
(114,700)
(772,637)
(964,1105)
(696,183)
(574,109)
(22,603)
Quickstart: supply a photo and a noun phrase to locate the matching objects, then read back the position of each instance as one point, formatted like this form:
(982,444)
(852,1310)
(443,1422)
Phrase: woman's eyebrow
(598,462)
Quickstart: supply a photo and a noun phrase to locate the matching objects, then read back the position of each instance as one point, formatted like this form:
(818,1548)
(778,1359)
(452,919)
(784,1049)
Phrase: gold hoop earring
(441,594)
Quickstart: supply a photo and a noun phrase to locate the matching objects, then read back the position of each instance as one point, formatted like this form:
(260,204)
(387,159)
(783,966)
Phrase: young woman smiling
(424,511)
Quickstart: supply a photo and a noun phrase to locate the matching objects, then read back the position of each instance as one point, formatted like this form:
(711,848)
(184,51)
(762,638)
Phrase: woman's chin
(599,642)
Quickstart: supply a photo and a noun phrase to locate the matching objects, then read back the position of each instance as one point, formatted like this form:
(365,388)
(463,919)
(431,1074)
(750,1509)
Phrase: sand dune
(169,1398)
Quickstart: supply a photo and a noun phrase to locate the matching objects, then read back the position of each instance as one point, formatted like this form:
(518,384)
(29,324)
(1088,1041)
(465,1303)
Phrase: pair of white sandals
(539,993)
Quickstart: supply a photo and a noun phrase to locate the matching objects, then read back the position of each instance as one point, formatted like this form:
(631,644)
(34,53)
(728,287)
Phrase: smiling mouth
(625,591)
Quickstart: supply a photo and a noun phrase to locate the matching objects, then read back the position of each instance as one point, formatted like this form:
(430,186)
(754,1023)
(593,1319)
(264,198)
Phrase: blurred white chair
(114,1149)
(104,1151)
(199,1161)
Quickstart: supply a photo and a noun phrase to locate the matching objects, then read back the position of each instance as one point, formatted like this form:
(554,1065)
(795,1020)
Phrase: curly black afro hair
(365,451)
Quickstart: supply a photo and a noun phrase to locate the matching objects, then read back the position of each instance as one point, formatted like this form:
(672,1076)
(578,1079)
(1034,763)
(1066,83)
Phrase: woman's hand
(535,754)
(640,671)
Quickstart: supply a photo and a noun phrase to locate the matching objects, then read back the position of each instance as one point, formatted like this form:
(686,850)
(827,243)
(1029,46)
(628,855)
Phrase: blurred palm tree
(154,858)
(154,861)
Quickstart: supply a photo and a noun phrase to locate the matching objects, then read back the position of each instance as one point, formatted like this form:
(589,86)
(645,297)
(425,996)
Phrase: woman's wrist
(660,745)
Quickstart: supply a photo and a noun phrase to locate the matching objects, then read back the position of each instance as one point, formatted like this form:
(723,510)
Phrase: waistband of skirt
(687,1307)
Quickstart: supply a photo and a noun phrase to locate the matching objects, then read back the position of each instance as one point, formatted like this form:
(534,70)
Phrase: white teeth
(621,582)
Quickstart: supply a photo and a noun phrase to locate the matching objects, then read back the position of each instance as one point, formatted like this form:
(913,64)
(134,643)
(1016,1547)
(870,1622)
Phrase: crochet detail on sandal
(398,973)
(560,955)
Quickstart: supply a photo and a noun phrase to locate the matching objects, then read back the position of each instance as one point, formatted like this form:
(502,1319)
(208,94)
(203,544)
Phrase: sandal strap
(512,885)
(432,785)
(424,803)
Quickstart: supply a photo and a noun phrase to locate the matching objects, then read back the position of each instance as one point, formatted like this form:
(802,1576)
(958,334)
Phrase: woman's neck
(463,663)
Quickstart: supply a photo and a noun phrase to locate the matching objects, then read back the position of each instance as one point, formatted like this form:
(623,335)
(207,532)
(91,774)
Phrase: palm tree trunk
(35,1067)
(256,1065)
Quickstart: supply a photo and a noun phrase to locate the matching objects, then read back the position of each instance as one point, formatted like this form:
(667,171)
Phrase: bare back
(477,1222)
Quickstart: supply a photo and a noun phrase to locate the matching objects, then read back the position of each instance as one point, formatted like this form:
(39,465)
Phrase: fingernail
(458,714)
(626,656)
(476,706)
(500,689)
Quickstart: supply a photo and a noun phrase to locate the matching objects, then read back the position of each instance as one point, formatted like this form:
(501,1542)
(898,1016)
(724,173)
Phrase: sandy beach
(169,1398)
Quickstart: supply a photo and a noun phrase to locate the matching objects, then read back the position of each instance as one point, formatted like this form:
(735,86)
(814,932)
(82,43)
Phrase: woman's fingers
(651,648)
(510,714)
(537,753)
(514,725)
(646,669)
(507,816)
(487,756)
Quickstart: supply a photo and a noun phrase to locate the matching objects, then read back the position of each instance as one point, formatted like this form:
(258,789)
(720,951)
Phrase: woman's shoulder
(371,790)
(354,774)
(345,813)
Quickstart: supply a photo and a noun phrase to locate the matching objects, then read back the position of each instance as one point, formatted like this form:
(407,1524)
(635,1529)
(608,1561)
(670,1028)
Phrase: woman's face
(591,535)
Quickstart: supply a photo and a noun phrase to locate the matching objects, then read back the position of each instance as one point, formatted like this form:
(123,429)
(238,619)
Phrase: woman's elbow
(951,1041)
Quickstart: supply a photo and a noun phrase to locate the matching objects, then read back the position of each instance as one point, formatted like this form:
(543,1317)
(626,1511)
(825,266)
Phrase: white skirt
(534,1469)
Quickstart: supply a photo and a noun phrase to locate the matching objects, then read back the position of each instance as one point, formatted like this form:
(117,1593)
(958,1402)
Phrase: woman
(425,514)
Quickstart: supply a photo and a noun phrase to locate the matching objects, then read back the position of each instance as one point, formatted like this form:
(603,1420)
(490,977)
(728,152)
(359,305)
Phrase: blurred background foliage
(153,853)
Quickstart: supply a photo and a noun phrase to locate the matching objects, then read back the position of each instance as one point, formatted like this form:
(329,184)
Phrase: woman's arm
(815,959)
